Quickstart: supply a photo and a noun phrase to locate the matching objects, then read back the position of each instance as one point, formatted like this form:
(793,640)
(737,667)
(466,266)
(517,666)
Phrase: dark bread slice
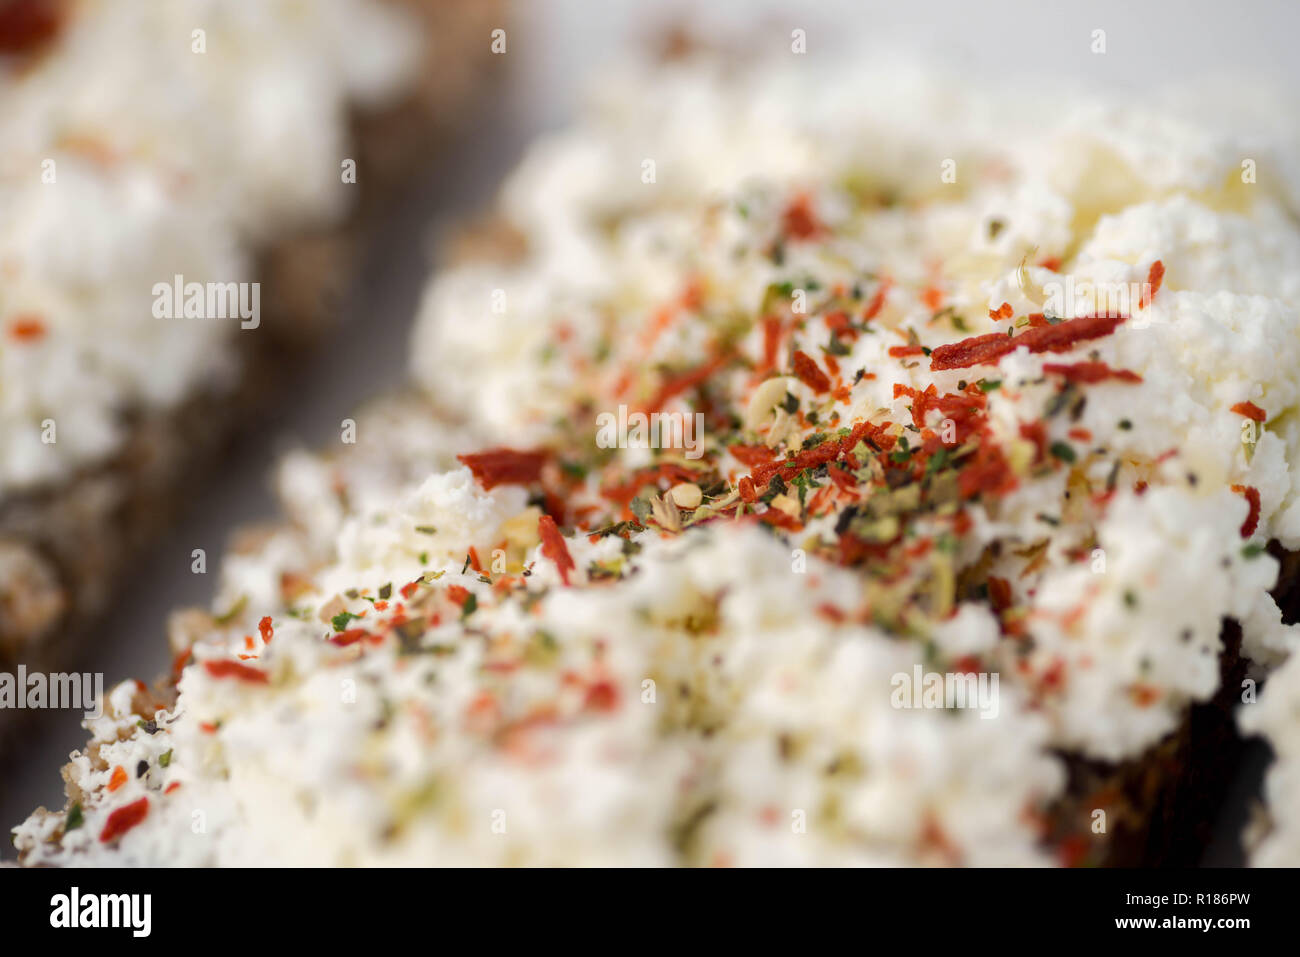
(1161,806)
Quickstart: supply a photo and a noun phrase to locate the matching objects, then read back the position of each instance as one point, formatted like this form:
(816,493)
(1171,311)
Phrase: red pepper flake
(772,333)
(482,713)
(798,221)
(208,727)
(988,473)
(349,637)
(554,547)
(843,480)
(1053,679)
(1080,435)
(1155,276)
(1144,696)
(123,819)
(661,321)
(1250,410)
(692,296)
(774,516)
(933,837)
(748,494)
(27,328)
(458,593)
(118,778)
(171,787)
(932,297)
(999,594)
(183,657)
(877,301)
(1035,432)
(409,588)
(964,409)
(840,324)
(752,455)
(821,454)
(1050,262)
(805,369)
(473,560)
(1003,311)
(264,627)
(675,385)
(1252,516)
(1073,851)
(988,349)
(1089,372)
(502,466)
(601,696)
(830,613)
(233,669)
(26,25)
(901,352)
(624,492)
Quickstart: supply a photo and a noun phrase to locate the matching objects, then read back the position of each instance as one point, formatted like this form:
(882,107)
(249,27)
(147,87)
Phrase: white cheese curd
(496,641)
(1276,717)
(137,150)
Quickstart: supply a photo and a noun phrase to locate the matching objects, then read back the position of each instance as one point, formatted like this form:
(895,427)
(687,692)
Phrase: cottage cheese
(414,670)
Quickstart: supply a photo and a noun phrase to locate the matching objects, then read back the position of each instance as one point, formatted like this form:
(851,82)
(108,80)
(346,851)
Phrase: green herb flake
(233,612)
(836,346)
(1062,451)
(74,819)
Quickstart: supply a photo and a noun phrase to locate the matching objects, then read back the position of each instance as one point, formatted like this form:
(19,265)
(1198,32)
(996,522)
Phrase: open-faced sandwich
(837,466)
